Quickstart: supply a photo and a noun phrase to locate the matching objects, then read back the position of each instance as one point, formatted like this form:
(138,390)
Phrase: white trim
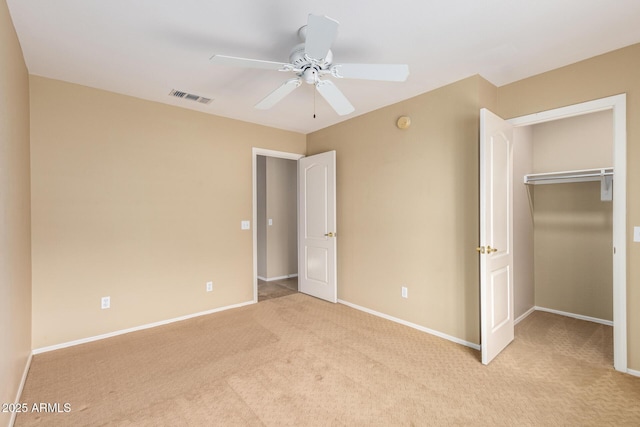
(633,372)
(575,316)
(271,279)
(588,107)
(412,325)
(137,328)
(562,313)
(27,366)
(524,316)
(279,154)
(255,152)
(618,105)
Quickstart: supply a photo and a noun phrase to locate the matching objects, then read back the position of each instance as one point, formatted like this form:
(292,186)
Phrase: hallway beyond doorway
(277,288)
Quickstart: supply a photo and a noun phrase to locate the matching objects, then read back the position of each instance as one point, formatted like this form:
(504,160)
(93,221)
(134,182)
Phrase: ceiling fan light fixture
(310,75)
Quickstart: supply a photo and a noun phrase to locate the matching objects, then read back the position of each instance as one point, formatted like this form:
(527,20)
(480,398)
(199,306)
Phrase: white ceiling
(145,48)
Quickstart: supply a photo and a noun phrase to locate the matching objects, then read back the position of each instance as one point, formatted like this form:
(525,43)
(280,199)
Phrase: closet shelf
(568,176)
(604,175)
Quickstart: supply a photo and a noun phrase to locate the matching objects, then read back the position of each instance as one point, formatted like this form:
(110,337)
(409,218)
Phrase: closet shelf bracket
(604,175)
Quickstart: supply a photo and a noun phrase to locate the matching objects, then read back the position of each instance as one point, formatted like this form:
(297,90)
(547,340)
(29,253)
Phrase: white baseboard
(412,325)
(633,372)
(12,419)
(575,316)
(524,316)
(271,279)
(137,328)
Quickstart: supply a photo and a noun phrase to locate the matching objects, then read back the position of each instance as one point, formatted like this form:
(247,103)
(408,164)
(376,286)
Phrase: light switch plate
(636,234)
(270,221)
(245,225)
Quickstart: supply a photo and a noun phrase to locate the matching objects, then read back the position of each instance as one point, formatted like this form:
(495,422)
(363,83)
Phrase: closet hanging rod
(568,176)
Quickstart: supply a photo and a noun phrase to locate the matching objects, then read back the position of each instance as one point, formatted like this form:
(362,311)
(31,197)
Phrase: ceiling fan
(313,59)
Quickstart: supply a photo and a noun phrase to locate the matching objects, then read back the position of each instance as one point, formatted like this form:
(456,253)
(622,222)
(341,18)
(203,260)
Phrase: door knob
(486,250)
(330,234)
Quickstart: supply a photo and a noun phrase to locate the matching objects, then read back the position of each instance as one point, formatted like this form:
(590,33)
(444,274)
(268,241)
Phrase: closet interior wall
(563,233)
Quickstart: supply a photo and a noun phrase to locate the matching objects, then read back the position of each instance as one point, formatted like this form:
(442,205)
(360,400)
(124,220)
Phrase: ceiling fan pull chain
(314,101)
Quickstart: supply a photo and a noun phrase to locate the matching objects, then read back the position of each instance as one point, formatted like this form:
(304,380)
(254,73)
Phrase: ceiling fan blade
(321,32)
(247,63)
(278,95)
(334,97)
(384,72)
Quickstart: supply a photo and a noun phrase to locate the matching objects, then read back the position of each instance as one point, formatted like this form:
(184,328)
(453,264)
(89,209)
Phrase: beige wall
(138,201)
(573,227)
(282,244)
(408,207)
(581,142)
(523,250)
(261,215)
(15,216)
(609,74)
(573,247)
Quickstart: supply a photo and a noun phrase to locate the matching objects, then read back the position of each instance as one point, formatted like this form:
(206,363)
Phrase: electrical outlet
(405,292)
(209,286)
(636,234)
(105,302)
(245,225)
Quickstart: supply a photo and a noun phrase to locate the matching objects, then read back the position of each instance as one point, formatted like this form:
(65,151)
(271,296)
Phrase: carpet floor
(299,361)
(277,288)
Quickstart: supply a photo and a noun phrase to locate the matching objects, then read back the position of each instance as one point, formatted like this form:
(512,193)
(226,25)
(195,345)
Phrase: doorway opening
(315,220)
(573,217)
(275,224)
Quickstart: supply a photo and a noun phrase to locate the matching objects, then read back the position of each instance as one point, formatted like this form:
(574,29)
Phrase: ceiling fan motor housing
(300,61)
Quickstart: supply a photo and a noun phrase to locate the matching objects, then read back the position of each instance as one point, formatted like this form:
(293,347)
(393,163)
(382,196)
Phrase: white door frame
(618,105)
(267,153)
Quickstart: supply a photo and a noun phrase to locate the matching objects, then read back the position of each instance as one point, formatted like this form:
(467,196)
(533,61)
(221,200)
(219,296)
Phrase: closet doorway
(276,226)
(570,235)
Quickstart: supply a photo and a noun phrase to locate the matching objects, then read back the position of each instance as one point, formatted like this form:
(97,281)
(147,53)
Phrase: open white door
(496,240)
(317,275)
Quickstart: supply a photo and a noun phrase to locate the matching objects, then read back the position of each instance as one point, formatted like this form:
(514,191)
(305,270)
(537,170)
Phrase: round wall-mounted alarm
(403,122)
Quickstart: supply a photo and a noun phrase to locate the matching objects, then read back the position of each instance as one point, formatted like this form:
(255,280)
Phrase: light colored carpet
(277,288)
(299,361)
